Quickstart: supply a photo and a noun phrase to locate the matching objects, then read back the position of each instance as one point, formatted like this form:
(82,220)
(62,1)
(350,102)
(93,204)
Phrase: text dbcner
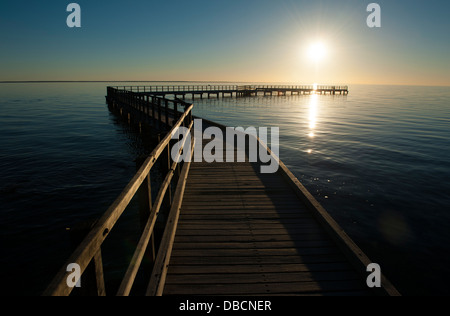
(247,305)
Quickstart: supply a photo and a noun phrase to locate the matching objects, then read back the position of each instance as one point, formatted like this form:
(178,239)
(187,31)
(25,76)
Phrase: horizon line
(208,81)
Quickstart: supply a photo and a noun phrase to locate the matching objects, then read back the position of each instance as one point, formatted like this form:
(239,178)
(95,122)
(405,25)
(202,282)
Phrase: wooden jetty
(209,91)
(229,229)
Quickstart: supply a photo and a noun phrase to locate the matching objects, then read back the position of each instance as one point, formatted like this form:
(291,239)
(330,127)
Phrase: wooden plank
(233,209)
(276,219)
(248,207)
(240,232)
(213,217)
(287,219)
(289,228)
(247,188)
(258,260)
(242,203)
(244,229)
(262,201)
(264,288)
(260,268)
(254,244)
(250,238)
(232,195)
(252,252)
(231,212)
(346,293)
(265,278)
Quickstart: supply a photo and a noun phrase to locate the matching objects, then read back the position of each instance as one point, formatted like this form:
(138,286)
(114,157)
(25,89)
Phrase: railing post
(175,109)
(147,106)
(165,168)
(153,111)
(145,193)
(159,115)
(92,280)
(166,103)
(169,167)
(145,206)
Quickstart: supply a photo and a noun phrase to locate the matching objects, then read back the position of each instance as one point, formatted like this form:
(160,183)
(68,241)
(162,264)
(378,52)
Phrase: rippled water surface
(378,160)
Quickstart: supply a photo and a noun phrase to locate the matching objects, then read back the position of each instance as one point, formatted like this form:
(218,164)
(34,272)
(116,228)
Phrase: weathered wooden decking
(241,232)
(244,233)
(229,229)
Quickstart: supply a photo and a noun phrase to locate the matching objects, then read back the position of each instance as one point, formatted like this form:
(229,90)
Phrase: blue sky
(233,40)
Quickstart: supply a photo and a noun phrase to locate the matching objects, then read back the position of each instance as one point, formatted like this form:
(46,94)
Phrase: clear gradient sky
(226,40)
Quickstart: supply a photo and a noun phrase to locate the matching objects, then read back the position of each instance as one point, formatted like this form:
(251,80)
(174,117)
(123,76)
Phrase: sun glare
(317,51)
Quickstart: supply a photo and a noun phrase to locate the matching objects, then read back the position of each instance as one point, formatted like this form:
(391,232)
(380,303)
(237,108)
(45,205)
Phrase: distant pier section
(217,91)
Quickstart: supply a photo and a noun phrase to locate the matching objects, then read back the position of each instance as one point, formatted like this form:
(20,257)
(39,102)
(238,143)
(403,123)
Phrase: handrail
(91,245)
(157,281)
(131,273)
(224,88)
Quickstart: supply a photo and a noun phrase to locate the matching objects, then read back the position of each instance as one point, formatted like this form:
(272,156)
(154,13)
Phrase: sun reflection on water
(312,118)
(312,114)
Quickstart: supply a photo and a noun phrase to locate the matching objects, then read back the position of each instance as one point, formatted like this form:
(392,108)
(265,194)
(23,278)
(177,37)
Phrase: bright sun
(317,51)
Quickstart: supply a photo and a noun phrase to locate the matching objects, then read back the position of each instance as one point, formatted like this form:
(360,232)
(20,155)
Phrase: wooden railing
(290,87)
(224,88)
(186,88)
(157,109)
(88,253)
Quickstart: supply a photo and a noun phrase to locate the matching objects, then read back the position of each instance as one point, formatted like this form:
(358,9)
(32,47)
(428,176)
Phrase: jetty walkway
(203,91)
(228,228)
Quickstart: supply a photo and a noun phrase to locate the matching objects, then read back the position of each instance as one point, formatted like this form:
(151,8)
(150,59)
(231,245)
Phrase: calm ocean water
(378,160)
